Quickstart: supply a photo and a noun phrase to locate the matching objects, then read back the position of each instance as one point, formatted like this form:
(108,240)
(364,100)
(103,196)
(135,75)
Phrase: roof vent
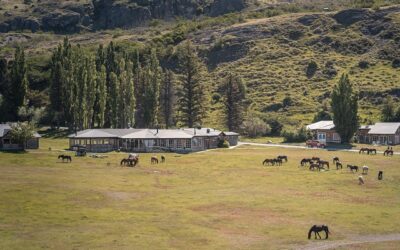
(208,131)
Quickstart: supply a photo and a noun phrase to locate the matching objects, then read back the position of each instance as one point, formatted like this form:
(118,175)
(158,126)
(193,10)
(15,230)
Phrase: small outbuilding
(385,133)
(6,142)
(324,131)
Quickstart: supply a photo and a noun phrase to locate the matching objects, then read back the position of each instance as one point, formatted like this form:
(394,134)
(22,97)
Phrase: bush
(254,127)
(300,135)
(276,127)
(363,64)
(311,69)
(287,101)
(223,144)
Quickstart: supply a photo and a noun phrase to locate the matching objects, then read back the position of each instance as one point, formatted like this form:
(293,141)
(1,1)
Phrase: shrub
(311,69)
(276,127)
(223,144)
(300,135)
(363,64)
(287,101)
(254,127)
(396,63)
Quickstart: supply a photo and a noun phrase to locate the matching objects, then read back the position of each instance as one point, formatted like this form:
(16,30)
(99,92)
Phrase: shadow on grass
(333,147)
(19,151)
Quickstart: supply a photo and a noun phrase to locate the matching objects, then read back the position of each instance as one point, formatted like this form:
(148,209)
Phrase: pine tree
(345,109)
(235,93)
(168,99)
(191,94)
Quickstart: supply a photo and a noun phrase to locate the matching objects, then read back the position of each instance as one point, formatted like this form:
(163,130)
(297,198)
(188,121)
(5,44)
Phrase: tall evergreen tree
(114,92)
(18,84)
(235,94)
(388,113)
(168,99)
(191,94)
(344,105)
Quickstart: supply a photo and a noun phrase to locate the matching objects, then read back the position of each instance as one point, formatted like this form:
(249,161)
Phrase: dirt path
(303,147)
(322,245)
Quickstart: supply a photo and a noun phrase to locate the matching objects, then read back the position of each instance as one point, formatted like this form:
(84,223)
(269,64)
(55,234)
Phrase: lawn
(220,199)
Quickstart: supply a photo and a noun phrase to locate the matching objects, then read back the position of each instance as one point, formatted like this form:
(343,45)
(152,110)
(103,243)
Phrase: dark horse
(65,157)
(323,163)
(269,161)
(352,168)
(364,150)
(154,160)
(316,229)
(305,161)
(283,157)
(388,152)
(336,159)
(339,165)
(162,159)
(130,162)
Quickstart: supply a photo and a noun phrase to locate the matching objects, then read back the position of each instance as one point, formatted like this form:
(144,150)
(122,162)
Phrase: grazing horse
(388,152)
(283,157)
(154,160)
(339,165)
(278,161)
(336,159)
(352,168)
(380,175)
(315,159)
(364,150)
(65,157)
(314,166)
(316,229)
(371,151)
(305,161)
(269,161)
(365,170)
(323,163)
(130,162)
(162,159)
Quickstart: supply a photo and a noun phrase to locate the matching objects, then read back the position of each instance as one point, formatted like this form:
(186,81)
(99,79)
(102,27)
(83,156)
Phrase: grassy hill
(294,52)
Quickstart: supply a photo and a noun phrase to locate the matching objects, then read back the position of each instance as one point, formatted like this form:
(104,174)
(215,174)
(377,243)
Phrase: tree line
(112,88)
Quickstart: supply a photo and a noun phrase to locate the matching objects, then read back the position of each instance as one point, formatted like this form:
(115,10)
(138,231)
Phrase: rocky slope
(70,17)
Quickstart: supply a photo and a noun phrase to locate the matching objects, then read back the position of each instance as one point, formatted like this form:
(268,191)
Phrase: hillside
(291,52)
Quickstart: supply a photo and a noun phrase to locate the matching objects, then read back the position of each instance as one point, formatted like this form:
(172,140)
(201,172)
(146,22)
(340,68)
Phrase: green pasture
(219,199)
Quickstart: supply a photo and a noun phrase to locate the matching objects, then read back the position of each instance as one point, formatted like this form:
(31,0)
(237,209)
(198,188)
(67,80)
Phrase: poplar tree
(344,105)
(235,94)
(191,94)
(101,96)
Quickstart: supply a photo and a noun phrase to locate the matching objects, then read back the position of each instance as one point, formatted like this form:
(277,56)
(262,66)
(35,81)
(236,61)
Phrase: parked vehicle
(315,144)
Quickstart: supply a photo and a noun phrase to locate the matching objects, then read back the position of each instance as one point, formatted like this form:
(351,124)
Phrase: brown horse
(371,151)
(336,159)
(65,157)
(162,159)
(339,165)
(323,163)
(283,157)
(316,229)
(130,162)
(154,160)
(388,152)
(364,150)
(352,168)
(269,162)
(314,166)
(305,161)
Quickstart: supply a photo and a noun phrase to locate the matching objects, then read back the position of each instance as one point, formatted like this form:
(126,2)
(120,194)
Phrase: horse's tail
(309,232)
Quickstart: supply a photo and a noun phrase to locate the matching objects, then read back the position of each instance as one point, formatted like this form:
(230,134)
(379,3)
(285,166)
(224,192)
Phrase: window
(170,143)
(178,143)
(106,141)
(163,143)
(188,143)
(321,136)
(7,141)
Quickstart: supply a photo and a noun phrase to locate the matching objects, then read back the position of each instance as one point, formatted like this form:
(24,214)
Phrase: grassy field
(220,199)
